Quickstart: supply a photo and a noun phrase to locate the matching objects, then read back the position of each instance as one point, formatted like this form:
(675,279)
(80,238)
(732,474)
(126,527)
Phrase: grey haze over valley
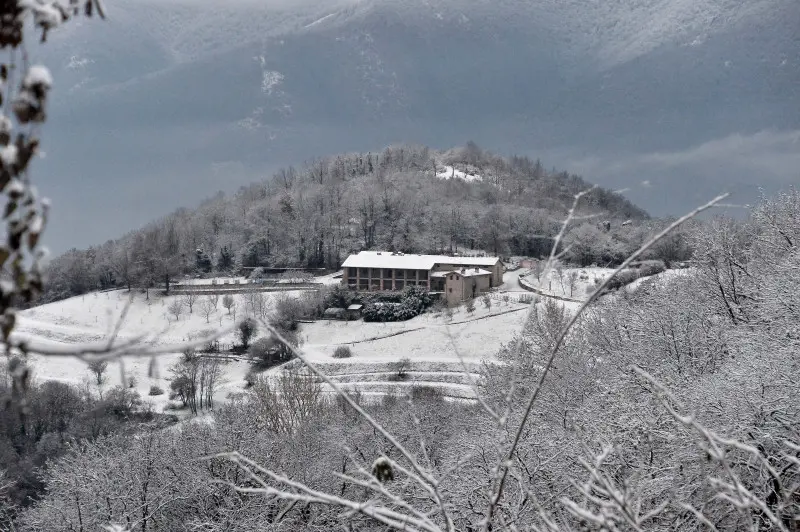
(170,101)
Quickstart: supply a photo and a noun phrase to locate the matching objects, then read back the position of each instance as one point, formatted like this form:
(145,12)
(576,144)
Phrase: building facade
(458,278)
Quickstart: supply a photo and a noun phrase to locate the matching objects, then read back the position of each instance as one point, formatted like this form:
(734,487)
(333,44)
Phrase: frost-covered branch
(505,464)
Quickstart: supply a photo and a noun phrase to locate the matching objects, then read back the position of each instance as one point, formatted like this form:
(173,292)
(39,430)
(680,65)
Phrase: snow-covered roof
(355,306)
(401,261)
(469,272)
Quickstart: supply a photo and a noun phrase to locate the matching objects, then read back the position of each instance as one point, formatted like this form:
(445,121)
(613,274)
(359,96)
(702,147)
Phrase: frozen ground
(434,343)
(558,282)
(93,317)
(438,346)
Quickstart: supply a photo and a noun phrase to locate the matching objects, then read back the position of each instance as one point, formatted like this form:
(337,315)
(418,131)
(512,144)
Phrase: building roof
(403,261)
(355,306)
(470,272)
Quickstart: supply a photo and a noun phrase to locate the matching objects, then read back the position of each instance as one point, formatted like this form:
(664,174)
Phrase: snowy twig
(509,454)
(303,493)
(422,476)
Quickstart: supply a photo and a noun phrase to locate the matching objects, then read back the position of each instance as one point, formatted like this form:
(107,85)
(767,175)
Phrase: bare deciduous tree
(572,281)
(176,308)
(256,304)
(98,369)
(285,404)
(189,299)
(207,307)
(228,302)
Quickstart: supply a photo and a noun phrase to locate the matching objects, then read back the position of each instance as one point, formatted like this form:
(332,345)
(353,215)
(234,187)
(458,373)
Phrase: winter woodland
(669,404)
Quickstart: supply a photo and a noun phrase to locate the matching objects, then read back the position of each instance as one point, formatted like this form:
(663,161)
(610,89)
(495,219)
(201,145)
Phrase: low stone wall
(222,289)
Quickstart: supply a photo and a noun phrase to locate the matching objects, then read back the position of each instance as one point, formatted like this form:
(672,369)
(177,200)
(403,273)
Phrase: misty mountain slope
(167,92)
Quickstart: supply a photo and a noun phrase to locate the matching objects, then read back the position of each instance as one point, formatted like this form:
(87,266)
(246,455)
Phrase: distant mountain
(168,101)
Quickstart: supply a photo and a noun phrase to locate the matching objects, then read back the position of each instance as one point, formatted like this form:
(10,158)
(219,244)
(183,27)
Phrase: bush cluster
(342,351)
(651,267)
(412,302)
(629,275)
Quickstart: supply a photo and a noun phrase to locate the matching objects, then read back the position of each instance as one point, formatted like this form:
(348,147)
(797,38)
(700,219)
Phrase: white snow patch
(37,225)
(8,154)
(449,172)
(38,75)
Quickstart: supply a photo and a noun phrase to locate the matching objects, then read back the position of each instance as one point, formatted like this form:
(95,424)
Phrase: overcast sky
(166,103)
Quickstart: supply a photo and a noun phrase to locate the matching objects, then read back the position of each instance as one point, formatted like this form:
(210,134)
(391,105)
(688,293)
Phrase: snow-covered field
(93,317)
(434,343)
(558,283)
(439,346)
(586,280)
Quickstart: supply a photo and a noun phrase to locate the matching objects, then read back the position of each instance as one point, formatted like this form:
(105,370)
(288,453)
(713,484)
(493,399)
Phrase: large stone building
(457,278)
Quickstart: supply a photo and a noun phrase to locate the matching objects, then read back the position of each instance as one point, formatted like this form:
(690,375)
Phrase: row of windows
(386,273)
(386,284)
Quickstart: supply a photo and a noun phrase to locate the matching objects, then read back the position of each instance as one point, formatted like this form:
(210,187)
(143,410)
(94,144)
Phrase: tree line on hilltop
(316,216)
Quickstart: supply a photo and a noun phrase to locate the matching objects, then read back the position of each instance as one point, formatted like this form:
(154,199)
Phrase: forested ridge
(316,215)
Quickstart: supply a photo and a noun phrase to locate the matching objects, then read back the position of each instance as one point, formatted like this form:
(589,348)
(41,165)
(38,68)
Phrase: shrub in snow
(268,351)
(121,403)
(425,393)
(339,297)
(342,351)
(526,299)
(402,367)
(98,368)
(288,313)
(155,390)
(407,304)
(651,267)
(247,329)
(487,301)
(448,313)
(470,305)
(623,278)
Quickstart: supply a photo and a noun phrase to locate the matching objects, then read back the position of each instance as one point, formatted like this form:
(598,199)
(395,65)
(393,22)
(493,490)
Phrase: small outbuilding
(354,311)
